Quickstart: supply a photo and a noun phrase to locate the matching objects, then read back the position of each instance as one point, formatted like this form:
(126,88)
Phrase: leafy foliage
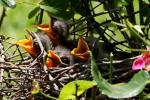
(117,27)
(126,90)
(33,12)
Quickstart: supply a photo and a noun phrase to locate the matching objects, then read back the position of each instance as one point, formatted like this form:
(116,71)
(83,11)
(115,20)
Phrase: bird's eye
(65,60)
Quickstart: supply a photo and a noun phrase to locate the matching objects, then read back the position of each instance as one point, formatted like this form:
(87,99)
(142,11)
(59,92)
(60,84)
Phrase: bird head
(52,60)
(57,31)
(82,50)
(31,47)
(48,30)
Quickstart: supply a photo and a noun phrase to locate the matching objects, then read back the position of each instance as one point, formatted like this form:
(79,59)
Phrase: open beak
(27,44)
(50,32)
(81,52)
(53,60)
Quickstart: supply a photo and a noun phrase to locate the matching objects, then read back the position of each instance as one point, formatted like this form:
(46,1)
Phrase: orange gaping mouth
(50,32)
(52,60)
(27,44)
(81,51)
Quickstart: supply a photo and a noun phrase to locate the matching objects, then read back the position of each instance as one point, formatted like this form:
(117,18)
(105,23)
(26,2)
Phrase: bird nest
(18,71)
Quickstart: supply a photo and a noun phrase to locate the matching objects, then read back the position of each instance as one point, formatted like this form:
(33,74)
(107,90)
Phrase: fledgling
(54,36)
(56,30)
(31,47)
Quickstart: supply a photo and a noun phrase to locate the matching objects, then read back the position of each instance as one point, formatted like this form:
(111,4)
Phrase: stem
(141,96)
(41,95)
(110,68)
(94,90)
(48,97)
(40,16)
(2,16)
(1,97)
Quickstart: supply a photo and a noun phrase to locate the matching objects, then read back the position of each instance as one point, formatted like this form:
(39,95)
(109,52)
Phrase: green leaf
(134,31)
(69,90)
(57,12)
(120,3)
(50,9)
(126,90)
(33,12)
(138,29)
(147,20)
(136,6)
(8,3)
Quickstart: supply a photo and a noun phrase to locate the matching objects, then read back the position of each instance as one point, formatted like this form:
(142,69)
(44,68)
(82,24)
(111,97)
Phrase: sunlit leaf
(33,12)
(126,90)
(135,32)
(138,29)
(120,3)
(136,6)
(69,90)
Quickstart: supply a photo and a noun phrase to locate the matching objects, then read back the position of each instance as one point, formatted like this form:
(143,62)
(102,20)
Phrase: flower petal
(146,57)
(138,64)
(147,68)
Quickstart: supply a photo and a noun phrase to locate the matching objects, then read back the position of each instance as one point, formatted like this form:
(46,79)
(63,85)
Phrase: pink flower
(142,62)
(138,64)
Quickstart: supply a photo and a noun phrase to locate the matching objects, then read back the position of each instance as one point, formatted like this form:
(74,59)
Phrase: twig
(61,69)
(60,75)
(117,61)
(117,71)
(20,53)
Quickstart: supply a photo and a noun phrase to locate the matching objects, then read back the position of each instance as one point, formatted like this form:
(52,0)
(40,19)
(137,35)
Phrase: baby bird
(31,47)
(54,37)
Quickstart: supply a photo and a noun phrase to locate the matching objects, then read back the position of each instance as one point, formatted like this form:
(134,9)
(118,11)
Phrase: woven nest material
(18,70)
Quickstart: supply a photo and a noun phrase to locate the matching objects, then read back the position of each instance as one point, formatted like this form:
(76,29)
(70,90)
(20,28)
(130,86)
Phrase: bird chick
(82,50)
(31,47)
(57,32)
(52,60)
